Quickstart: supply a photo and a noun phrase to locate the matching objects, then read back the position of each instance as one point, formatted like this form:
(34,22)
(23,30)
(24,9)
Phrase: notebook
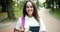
(35,28)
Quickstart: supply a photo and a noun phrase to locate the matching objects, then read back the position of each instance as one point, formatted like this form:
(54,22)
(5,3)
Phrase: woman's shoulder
(41,20)
(19,19)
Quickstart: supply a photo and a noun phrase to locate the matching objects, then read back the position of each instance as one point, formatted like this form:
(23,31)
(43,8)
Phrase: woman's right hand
(29,31)
(22,29)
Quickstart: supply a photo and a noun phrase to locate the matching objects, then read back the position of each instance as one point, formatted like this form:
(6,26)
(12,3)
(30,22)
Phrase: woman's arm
(17,26)
(42,26)
(43,31)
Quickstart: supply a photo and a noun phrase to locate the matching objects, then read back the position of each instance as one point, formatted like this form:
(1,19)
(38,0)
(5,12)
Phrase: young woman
(31,18)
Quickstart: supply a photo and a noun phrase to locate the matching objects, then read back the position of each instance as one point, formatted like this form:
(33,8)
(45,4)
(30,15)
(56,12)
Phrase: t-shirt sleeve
(18,24)
(42,26)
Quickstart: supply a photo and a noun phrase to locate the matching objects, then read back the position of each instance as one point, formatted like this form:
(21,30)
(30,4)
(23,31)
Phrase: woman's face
(29,8)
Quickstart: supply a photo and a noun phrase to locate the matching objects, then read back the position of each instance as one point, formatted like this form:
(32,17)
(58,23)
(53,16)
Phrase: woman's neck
(30,16)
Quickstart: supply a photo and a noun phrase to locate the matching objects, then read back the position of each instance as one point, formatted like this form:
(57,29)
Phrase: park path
(52,24)
(8,26)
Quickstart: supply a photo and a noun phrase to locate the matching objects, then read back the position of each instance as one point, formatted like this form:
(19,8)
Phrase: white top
(30,22)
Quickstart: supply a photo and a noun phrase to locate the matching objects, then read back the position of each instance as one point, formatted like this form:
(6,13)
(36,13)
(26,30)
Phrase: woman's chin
(30,13)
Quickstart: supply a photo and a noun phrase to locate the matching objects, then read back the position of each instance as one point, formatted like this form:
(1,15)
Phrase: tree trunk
(0,2)
(3,6)
(52,5)
(10,11)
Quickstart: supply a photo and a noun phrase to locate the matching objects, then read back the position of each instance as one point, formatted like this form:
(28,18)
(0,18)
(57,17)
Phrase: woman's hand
(22,29)
(16,31)
(43,31)
(29,31)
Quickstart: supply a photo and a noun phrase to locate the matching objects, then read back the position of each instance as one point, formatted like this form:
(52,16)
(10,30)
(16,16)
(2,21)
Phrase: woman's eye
(31,6)
(27,7)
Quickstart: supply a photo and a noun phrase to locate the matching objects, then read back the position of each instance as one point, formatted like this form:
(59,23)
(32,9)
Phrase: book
(35,28)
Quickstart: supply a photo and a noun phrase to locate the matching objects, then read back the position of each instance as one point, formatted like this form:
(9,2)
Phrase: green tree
(10,11)
(7,6)
(48,2)
(37,4)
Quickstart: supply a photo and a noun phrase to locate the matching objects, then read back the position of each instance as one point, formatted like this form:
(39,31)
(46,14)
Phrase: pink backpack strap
(23,24)
(23,21)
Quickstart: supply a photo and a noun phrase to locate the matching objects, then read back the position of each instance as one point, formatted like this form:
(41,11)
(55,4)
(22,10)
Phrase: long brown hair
(35,13)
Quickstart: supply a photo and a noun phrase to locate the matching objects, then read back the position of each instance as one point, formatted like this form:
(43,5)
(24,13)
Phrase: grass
(3,15)
(55,14)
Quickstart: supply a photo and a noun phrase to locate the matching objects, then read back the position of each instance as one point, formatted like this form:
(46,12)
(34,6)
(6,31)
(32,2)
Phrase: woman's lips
(30,11)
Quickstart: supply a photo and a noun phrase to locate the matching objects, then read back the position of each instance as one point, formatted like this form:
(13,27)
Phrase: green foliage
(48,2)
(17,11)
(56,14)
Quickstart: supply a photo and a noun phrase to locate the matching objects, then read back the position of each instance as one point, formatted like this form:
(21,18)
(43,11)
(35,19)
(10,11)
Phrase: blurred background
(48,10)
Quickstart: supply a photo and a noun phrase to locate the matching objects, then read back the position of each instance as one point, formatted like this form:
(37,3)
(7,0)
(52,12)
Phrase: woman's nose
(29,8)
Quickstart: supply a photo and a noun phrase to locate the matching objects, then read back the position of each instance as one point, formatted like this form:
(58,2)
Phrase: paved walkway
(52,24)
(7,26)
